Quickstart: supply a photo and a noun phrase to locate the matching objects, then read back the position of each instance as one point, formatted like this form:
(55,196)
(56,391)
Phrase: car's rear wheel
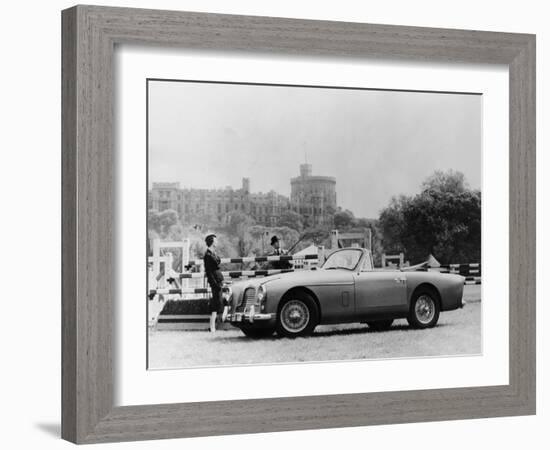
(258,333)
(298,315)
(380,325)
(424,311)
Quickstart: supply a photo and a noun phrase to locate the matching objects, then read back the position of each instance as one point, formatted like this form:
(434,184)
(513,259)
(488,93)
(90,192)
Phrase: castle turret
(305,170)
(313,196)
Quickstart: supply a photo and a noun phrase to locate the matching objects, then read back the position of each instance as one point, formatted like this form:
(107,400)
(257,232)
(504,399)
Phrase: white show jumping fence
(234,274)
(161,272)
(171,285)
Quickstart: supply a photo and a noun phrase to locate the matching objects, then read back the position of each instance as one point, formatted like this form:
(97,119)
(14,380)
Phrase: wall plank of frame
(68,286)
(89,37)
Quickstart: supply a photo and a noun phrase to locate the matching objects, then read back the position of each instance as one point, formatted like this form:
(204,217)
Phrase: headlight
(261,293)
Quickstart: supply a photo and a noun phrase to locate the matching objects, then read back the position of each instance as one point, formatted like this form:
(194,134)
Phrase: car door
(380,291)
(335,290)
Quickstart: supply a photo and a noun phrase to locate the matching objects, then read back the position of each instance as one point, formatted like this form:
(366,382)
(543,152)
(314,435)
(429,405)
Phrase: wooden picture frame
(89,37)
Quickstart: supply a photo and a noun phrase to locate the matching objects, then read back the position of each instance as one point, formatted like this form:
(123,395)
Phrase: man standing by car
(215,279)
(278,251)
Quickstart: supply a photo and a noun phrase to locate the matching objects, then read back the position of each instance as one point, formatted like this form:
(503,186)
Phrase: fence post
(334,239)
(156,256)
(169,265)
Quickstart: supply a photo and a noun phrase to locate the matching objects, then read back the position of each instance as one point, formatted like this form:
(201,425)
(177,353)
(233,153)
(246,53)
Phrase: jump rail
(238,273)
(462,269)
(180,291)
(247,259)
(472,280)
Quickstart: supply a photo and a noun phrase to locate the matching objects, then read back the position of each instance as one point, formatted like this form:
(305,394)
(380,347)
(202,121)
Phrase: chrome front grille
(249,298)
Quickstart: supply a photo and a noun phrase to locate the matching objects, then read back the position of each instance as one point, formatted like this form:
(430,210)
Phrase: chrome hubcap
(424,309)
(294,316)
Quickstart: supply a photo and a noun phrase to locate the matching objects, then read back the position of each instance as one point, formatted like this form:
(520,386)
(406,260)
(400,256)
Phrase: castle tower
(313,196)
(305,170)
(246,185)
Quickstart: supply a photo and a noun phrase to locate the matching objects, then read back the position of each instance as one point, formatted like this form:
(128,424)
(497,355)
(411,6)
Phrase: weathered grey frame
(89,36)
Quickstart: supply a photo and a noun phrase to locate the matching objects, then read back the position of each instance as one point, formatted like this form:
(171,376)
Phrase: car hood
(300,278)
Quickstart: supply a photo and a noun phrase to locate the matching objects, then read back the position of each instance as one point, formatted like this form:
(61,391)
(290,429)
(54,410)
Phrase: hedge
(177,307)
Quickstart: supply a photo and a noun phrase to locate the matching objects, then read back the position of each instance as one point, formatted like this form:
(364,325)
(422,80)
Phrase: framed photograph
(278,224)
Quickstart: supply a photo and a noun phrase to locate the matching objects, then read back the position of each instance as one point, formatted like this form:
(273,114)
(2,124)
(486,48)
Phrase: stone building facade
(313,197)
(214,206)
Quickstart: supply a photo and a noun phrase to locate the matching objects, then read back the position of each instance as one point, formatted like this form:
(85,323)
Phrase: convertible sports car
(345,289)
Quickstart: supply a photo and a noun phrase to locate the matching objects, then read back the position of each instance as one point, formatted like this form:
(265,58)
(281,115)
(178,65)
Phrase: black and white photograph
(297,224)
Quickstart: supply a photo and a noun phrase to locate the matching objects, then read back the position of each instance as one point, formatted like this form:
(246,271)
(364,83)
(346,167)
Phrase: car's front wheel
(424,311)
(298,315)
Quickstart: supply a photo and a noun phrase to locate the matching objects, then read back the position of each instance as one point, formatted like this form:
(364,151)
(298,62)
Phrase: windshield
(343,259)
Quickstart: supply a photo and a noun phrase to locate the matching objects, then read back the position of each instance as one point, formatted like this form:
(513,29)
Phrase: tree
(392,224)
(450,181)
(316,236)
(291,219)
(444,219)
(238,224)
(447,225)
(164,224)
(343,219)
(363,222)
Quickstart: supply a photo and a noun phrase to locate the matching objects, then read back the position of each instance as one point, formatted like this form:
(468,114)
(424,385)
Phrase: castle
(312,196)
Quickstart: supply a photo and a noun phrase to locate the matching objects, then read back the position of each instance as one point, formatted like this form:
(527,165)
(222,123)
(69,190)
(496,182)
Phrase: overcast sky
(376,144)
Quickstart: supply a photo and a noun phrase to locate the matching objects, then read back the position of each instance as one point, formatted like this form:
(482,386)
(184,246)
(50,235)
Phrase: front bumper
(249,316)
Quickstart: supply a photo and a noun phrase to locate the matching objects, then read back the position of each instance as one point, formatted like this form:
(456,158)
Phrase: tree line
(443,219)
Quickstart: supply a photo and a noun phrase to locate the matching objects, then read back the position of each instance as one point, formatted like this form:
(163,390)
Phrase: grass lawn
(457,333)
